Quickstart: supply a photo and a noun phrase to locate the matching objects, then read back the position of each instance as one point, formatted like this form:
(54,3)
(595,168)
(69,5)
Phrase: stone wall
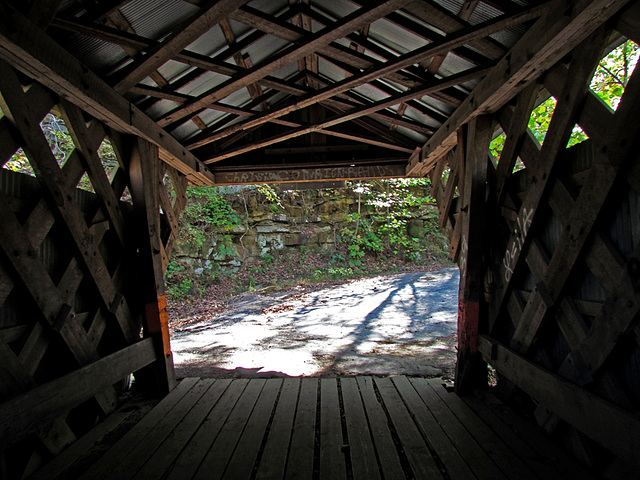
(311,220)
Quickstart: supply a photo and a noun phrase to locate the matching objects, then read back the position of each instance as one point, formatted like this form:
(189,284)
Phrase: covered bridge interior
(242,92)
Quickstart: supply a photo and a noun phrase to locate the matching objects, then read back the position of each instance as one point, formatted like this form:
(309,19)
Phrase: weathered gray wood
(301,454)
(214,463)
(137,434)
(138,453)
(160,462)
(499,451)
(245,456)
(610,157)
(34,409)
(469,448)
(382,437)
(415,448)
(274,456)
(187,463)
(360,444)
(574,91)
(431,429)
(332,455)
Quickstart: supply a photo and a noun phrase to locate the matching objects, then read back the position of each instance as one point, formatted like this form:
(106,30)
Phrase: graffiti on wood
(520,232)
(311,174)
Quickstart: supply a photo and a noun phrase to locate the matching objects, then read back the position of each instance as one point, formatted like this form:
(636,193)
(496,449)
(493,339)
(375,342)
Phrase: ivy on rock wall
(348,231)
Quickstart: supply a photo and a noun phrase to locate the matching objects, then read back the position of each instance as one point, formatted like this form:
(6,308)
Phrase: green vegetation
(382,226)
(391,206)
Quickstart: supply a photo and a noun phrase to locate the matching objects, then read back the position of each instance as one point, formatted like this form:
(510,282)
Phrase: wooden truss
(75,323)
(547,253)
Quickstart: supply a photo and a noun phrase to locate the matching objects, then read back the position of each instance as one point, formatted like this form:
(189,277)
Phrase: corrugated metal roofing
(384,40)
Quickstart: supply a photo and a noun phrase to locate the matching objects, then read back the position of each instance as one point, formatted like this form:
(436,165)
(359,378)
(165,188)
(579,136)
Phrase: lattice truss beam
(550,296)
(73,290)
(229,79)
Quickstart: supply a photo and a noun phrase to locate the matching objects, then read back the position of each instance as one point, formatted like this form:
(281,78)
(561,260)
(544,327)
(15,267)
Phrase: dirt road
(398,324)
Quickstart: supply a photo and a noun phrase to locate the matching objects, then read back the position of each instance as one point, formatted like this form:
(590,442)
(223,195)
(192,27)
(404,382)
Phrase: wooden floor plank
(139,453)
(332,462)
(191,456)
(361,450)
(274,457)
(300,461)
(246,453)
(360,428)
(134,436)
(422,463)
(544,450)
(432,431)
(473,454)
(383,440)
(164,456)
(542,466)
(215,462)
(503,456)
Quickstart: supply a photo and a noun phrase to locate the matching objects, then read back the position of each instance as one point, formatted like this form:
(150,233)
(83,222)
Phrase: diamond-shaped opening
(85,183)
(19,163)
(108,158)
(578,135)
(168,185)
(126,196)
(446,173)
(541,118)
(496,146)
(614,71)
(58,137)
(519,165)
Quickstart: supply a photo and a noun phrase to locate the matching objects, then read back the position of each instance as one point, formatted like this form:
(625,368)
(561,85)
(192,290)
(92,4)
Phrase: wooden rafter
(342,27)
(352,114)
(184,34)
(452,41)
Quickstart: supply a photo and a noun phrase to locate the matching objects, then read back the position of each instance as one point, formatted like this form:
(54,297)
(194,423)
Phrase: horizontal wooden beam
(315,149)
(31,51)
(310,174)
(607,424)
(32,410)
(552,37)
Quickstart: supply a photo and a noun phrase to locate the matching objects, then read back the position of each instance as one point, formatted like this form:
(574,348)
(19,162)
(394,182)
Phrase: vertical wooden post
(144,171)
(470,370)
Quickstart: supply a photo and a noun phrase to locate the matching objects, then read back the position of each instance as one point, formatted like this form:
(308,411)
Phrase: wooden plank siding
(358,427)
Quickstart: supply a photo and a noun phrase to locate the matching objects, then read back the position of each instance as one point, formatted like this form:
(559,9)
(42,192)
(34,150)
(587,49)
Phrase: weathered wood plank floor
(347,428)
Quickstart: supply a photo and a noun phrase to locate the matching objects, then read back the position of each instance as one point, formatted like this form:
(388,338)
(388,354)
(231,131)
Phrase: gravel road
(389,325)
